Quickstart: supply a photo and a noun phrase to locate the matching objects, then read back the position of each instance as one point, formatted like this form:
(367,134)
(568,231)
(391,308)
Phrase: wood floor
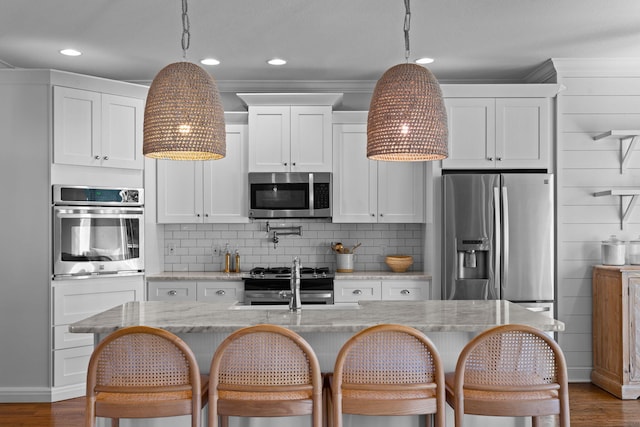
(590,406)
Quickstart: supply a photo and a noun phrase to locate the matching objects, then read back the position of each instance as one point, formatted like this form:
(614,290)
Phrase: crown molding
(597,67)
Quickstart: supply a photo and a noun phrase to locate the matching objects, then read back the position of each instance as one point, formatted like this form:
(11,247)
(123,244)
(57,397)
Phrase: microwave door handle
(311,195)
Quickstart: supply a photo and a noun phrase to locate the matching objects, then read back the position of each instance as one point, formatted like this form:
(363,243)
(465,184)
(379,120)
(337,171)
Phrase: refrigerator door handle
(505,230)
(498,240)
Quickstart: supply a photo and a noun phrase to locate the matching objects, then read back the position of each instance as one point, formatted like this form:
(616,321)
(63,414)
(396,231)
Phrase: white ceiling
(323,40)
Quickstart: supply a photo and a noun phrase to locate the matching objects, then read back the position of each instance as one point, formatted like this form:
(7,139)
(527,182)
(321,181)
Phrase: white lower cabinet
(75,300)
(206,291)
(349,291)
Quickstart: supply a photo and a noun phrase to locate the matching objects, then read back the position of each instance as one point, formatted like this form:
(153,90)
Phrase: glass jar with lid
(634,252)
(613,251)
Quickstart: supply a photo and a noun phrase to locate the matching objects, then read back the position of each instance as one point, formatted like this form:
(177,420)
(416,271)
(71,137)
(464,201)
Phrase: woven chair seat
(283,395)
(140,398)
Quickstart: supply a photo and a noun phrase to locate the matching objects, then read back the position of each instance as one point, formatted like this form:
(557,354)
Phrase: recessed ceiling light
(70,52)
(276,61)
(210,61)
(425,60)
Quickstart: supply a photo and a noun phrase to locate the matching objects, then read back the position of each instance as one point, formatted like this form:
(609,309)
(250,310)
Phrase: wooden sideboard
(616,333)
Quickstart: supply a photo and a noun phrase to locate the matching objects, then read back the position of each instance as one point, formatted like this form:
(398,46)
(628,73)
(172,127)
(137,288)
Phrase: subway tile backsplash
(201,247)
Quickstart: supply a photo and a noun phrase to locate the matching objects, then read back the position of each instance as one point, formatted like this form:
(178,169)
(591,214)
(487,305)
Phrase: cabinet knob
(490,159)
(220,292)
(105,158)
(285,163)
(206,215)
(499,159)
(381,214)
(405,292)
(172,292)
(198,215)
(97,157)
(293,164)
(373,214)
(357,292)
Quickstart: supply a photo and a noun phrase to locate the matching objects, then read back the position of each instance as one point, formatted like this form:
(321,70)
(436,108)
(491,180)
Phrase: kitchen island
(449,324)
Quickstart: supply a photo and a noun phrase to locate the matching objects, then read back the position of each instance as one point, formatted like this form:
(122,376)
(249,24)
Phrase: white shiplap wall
(600,95)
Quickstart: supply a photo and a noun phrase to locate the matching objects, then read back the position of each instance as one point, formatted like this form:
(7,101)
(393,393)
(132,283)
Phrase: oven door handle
(75,212)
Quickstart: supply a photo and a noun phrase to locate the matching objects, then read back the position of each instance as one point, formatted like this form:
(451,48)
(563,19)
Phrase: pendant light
(183,116)
(407,119)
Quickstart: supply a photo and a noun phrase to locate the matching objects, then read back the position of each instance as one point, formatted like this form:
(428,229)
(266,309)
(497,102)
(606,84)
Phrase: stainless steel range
(272,285)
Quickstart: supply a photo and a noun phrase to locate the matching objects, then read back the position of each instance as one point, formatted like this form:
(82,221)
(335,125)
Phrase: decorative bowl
(399,263)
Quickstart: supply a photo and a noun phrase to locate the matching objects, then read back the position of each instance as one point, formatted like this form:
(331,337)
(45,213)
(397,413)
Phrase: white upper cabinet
(505,126)
(371,191)
(505,133)
(211,191)
(290,132)
(96,129)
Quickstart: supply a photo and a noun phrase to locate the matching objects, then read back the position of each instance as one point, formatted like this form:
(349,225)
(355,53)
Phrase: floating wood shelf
(625,212)
(622,135)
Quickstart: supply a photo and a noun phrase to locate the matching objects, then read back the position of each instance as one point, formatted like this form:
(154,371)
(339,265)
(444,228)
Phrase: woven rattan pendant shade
(407,119)
(183,116)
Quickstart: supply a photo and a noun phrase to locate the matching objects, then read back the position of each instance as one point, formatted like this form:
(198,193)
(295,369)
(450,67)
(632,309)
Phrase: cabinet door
(269,138)
(171,291)
(401,192)
(356,290)
(634,330)
(226,185)
(76,127)
(522,132)
(405,290)
(121,145)
(471,123)
(221,291)
(311,146)
(355,187)
(179,191)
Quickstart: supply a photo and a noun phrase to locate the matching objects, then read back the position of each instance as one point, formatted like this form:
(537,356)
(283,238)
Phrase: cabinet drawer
(405,290)
(70,365)
(356,290)
(172,291)
(220,291)
(74,300)
(62,338)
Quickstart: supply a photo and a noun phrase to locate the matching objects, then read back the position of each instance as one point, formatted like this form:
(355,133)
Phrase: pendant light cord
(186,35)
(407,26)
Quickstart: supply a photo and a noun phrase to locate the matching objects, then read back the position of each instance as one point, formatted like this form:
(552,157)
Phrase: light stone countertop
(427,316)
(218,275)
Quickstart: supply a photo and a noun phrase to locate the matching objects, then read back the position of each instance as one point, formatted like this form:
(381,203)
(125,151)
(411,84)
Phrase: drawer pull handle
(173,292)
(357,292)
(220,292)
(405,292)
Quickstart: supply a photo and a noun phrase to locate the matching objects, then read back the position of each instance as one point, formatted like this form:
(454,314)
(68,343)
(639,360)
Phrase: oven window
(280,196)
(99,239)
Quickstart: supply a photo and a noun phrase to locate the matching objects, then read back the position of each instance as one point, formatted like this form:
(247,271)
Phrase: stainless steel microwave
(290,195)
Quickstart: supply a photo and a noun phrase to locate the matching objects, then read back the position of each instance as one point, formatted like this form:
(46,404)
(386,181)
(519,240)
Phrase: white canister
(613,251)
(634,252)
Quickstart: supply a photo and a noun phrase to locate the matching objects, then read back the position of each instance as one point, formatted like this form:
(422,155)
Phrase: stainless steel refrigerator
(498,239)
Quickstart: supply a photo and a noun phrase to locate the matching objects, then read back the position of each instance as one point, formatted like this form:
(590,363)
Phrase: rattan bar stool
(510,370)
(264,371)
(387,370)
(144,372)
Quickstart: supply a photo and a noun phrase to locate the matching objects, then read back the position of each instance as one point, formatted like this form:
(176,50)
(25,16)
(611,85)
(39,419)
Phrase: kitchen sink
(284,307)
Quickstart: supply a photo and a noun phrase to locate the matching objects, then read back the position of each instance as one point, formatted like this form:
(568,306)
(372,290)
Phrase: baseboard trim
(25,394)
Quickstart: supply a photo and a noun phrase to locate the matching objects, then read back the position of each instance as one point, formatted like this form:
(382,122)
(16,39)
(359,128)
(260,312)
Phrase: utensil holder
(344,263)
